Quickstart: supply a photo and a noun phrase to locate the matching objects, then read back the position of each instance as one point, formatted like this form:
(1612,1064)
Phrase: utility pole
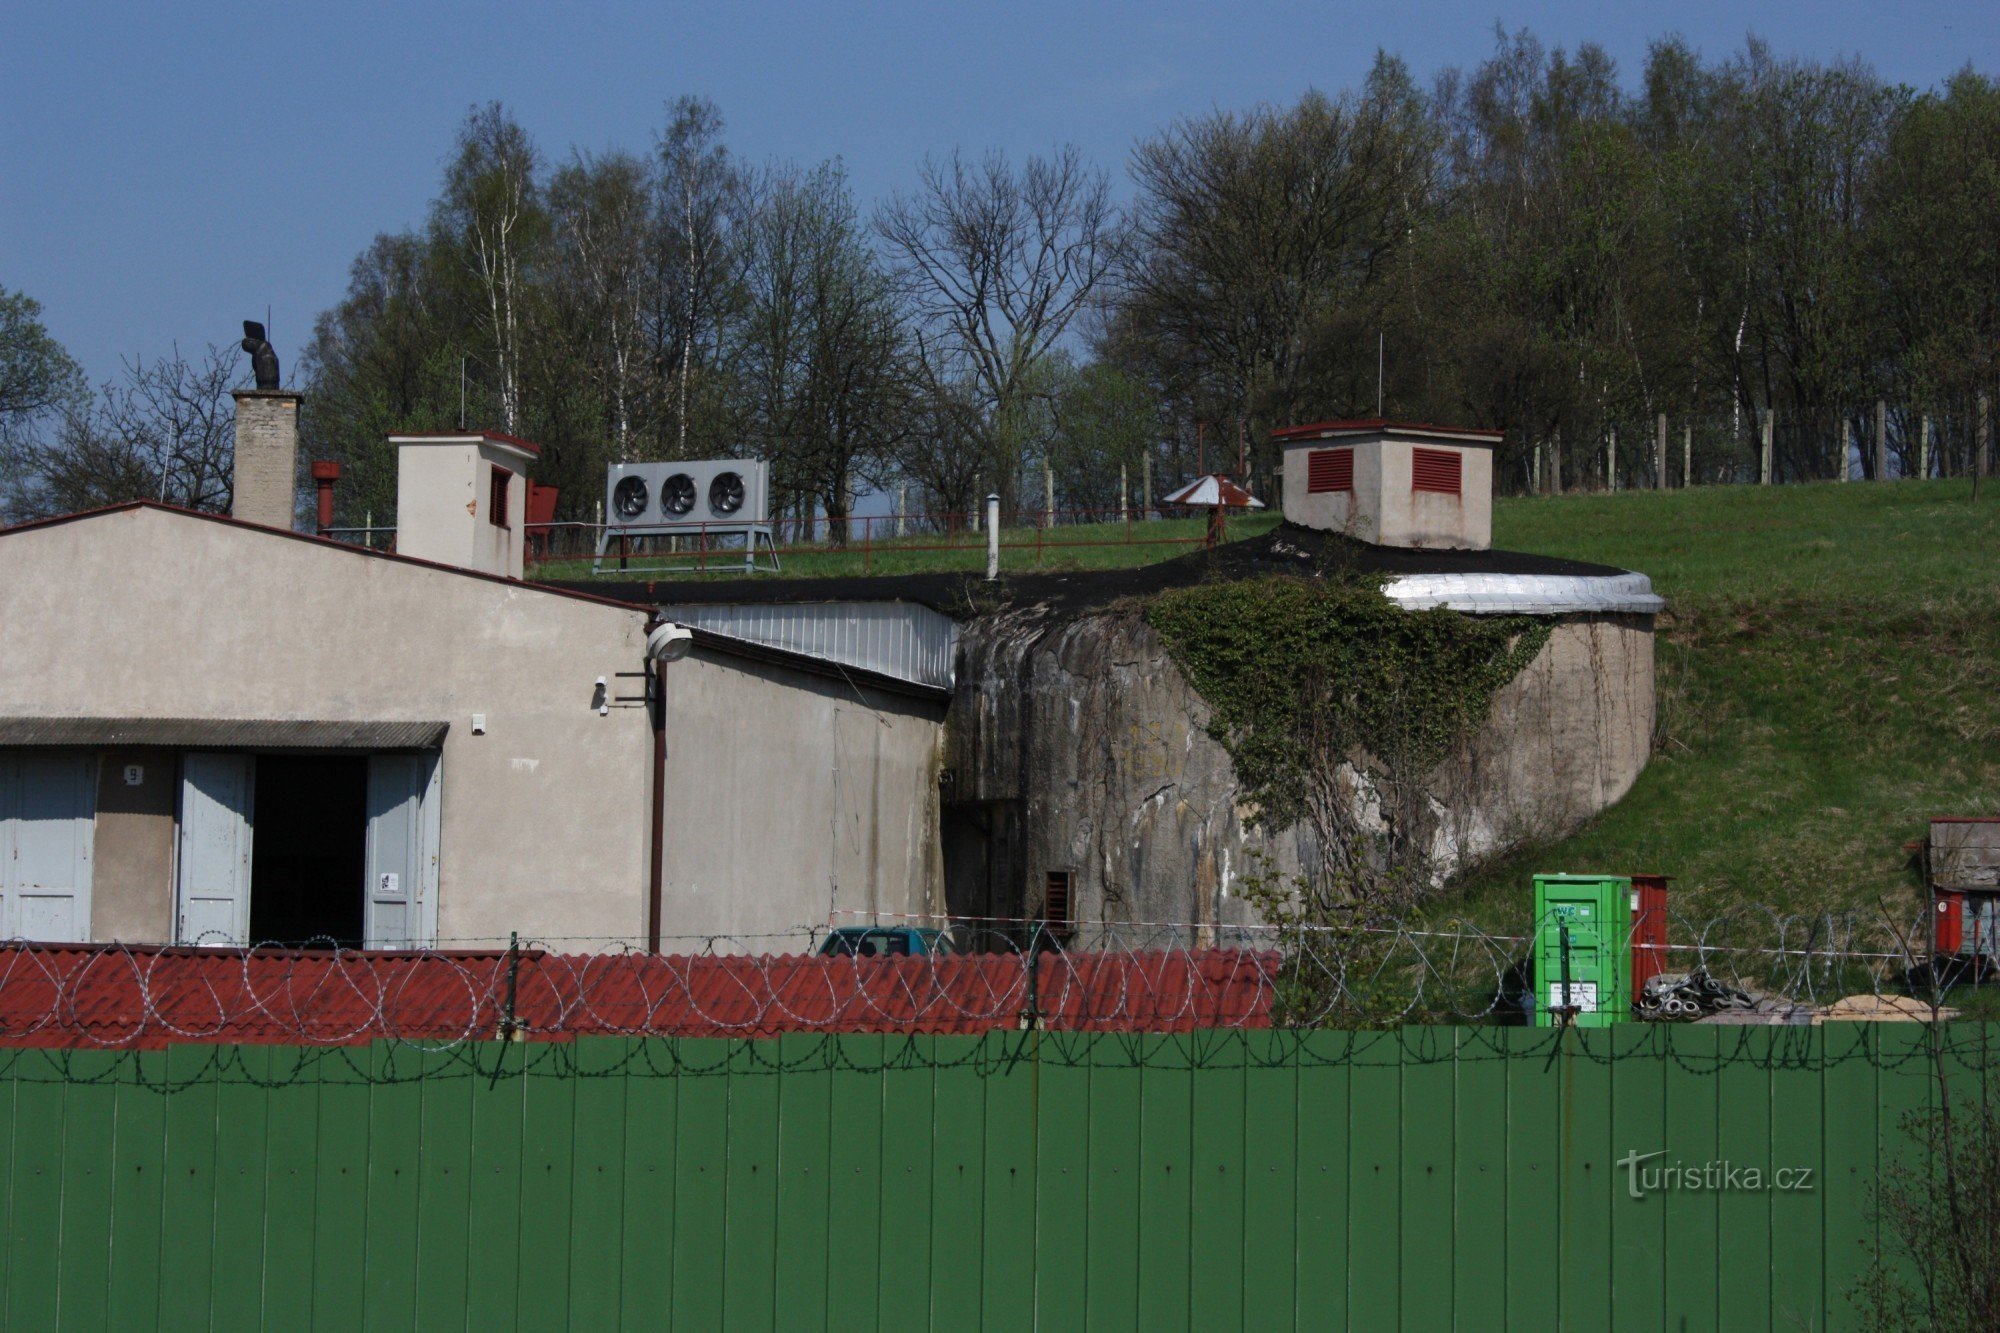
(1660,456)
(1924,449)
(1764,454)
(1611,462)
(902,513)
(1048,495)
(1687,454)
(1124,495)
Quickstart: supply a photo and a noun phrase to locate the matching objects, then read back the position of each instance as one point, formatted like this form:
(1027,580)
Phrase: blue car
(886,942)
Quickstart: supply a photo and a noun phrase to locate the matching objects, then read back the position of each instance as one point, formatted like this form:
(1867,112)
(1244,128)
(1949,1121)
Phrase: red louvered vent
(1438,470)
(1329,470)
(1058,902)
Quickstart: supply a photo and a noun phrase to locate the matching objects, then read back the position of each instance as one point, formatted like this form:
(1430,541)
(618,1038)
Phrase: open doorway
(308,879)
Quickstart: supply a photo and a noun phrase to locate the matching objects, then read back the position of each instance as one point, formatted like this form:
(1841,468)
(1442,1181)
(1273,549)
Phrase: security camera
(669,642)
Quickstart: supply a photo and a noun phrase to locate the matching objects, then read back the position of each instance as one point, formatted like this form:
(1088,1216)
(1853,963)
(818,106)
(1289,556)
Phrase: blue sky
(166,171)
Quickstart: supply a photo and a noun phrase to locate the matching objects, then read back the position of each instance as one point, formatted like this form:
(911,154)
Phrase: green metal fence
(1422,1178)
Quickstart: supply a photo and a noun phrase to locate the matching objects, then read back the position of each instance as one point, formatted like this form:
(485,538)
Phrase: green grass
(1022,550)
(1829,677)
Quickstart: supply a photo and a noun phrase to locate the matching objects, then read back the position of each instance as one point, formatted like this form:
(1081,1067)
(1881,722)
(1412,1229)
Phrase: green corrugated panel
(291,1146)
(1062,1175)
(908,1110)
(1693,1250)
(1215,1241)
(750,1279)
(1588,1169)
(340,1189)
(9,1127)
(1166,1181)
(804,1116)
(1534,1218)
(1638,1114)
(444,1185)
(242,1226)
(1007,1284)
(34,1224)
(701,1208)
(188,1224)
(395,1121)
(1479,1175)
(548,1130)
(958,1178)
(1907,1083)
(1323,1212)
(652,1132)
(854,1211)
(1375,1159)
(1111,1291)
(498,1196)
(90,1103)
(1798,1144)
(597,1173)
(1270,1177)
(1743,1138)
(1850,1096)
(1429,1163)
(138,1167)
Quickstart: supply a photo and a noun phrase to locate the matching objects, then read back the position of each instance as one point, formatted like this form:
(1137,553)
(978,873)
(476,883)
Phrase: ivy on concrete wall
(1336,705)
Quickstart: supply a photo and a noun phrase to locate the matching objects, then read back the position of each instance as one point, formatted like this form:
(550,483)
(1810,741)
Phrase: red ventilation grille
(1438,470)
(1329,470)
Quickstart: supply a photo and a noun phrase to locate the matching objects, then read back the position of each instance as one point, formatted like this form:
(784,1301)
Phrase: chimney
(267,456)
(325,472)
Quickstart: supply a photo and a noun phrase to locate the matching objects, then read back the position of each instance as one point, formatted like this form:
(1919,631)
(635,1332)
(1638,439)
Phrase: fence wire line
(1749,966)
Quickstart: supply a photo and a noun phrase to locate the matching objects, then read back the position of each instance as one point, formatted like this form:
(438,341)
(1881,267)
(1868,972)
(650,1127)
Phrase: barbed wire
(919,975)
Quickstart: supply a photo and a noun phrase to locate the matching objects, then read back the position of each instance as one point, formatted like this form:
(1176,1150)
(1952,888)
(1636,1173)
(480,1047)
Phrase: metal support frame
(750,532)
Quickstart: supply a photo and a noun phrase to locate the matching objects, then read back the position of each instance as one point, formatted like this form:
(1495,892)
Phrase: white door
(401,908)
(48,807)
(215,837)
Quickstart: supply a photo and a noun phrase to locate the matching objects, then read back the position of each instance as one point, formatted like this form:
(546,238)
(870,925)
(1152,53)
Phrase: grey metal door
(401,907)
(48,808)
(215,847)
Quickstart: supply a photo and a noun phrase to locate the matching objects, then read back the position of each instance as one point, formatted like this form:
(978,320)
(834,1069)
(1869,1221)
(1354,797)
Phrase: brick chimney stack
(267,456)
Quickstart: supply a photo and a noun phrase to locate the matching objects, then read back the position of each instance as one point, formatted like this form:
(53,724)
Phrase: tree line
(1532,244)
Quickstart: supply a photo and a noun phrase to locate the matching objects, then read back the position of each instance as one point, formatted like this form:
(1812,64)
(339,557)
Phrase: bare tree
(998,264)
(491,211)
(604,213)
(167,432)
(699,254)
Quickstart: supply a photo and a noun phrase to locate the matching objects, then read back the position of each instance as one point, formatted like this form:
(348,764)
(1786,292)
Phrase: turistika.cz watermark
(1713,1177)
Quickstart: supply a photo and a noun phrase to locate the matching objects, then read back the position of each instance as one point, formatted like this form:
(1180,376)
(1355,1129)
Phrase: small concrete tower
(1392,483)
(461,499)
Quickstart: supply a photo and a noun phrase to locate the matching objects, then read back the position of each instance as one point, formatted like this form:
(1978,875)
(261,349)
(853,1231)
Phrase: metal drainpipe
(656,871)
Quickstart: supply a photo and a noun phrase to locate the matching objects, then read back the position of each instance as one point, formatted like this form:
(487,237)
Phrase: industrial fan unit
(708,500)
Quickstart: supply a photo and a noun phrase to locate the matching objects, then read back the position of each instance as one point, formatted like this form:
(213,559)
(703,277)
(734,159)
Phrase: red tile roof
(131,998)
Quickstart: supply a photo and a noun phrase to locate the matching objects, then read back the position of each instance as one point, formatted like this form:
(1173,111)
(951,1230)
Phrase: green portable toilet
(1589,919)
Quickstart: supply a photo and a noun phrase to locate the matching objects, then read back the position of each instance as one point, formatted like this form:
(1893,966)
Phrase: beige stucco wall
(788,794)
(132,854)
(151,614)
(790,797)
(1383,508)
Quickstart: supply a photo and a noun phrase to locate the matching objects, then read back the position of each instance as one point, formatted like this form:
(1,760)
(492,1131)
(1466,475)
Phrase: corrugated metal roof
(116,997)
(901,640)
(216,733)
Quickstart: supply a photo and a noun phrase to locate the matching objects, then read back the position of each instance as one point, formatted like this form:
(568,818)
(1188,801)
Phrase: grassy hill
(1829,677)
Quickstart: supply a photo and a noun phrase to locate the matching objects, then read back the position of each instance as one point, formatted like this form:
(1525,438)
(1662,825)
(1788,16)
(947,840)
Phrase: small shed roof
(1213,490)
